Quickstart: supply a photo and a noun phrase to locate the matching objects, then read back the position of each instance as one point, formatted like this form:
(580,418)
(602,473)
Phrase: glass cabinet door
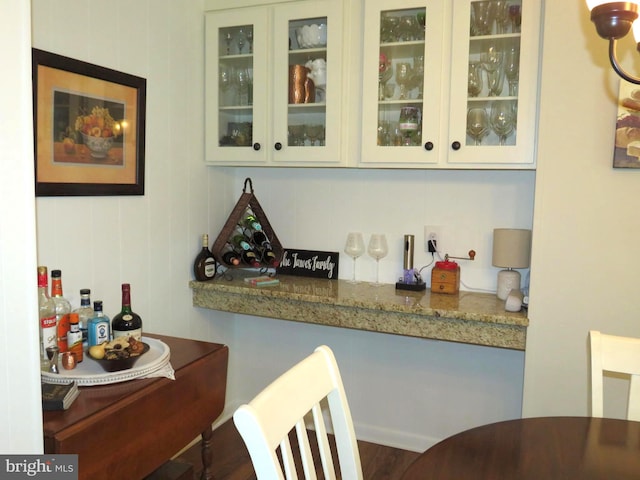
(402,70)
(235,95)
(307,76)
(493,81)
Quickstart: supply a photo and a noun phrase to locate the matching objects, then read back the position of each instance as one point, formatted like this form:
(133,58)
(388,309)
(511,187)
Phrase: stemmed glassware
(418,73)
(241,39)
(502,16)
(408,28)
(408,123)
(511,69)
(378,249)
(228,38)
(492,61)
(225,82)
(385,71)
(354,248)
(403,78)
(502,119)
(484,13)
(250,39)
(515,16)
(477,124)
(475,79)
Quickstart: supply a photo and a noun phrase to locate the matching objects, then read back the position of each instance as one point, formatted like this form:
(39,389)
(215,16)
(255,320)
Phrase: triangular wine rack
(246,201)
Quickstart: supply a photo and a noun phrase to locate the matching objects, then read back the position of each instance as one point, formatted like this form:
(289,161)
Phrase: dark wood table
(550,448)
(127,430)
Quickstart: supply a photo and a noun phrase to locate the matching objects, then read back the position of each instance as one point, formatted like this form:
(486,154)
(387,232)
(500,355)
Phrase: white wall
(20,417)
(586,227)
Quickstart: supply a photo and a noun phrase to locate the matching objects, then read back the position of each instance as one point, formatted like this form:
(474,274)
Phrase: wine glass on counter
(378,249)
(477,124)
(502,119)
(354,248)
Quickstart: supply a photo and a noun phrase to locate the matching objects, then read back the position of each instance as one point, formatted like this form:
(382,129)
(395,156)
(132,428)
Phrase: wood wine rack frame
(246,200)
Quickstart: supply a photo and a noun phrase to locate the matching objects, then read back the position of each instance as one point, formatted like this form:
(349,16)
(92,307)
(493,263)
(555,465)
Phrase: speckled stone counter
(475,318)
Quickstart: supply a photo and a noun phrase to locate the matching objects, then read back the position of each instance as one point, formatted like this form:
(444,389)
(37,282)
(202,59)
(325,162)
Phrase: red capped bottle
(127,323)
(47,318)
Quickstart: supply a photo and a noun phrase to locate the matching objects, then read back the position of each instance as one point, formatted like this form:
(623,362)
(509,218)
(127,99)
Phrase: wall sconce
(613,20)
(511,249)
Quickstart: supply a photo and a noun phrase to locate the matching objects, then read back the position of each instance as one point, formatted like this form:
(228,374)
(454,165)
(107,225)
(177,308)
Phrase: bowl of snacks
(119,354)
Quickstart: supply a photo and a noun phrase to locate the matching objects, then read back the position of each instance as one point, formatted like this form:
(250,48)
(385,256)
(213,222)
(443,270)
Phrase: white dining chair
(611,353)
(311,390)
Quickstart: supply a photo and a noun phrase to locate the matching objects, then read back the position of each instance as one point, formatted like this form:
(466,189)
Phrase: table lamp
(511,249)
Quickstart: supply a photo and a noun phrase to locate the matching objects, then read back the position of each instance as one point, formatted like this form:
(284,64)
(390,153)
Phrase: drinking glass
(484,13)
(250,39)
(313,133)
(385,71)
(511,69)
(502,16)
(475,79)
(408,123)
(418,73)
(354,248)
(477,124)
(378,249)
(408,28)
(421,17)
(502,120)
(241,39)
(515,16)
(244,83)
(492,61)
(228,38)
(225,82)
(403,78)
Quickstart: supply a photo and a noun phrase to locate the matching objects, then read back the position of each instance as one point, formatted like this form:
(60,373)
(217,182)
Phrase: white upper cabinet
(373,83)
(274,85)
(450,84)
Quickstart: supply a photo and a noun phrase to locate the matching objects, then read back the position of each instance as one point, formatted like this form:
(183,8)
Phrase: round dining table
(549,448)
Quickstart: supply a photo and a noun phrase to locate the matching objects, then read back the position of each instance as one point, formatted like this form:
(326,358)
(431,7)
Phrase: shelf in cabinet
(408,102)
(491,99)
(239,56)
(498,36)
(320,106)
(236,108)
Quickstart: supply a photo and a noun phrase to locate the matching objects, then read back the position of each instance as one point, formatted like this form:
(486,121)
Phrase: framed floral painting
(89,127)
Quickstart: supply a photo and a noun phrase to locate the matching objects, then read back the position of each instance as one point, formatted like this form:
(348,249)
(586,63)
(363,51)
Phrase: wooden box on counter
(445,278)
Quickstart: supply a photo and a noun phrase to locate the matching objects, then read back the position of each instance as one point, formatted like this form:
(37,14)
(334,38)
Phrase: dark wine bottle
(231,258)
(127,323)
(249,258)
(239,242)
(262,243)
(204,266)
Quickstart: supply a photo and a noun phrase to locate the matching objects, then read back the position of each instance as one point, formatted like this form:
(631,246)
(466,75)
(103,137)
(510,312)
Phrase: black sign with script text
(310,263)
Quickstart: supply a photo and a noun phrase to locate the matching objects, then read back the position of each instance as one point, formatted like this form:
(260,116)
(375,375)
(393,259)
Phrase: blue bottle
(99,326)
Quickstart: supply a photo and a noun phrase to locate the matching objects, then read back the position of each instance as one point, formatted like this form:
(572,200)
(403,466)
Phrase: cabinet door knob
(455,145)
(256,146)
(278,146)
(428,146)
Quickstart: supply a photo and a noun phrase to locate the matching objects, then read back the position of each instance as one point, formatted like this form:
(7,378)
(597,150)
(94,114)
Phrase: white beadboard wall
(405,392)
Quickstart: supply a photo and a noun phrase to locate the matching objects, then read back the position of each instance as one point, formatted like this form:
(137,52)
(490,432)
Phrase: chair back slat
(611,353)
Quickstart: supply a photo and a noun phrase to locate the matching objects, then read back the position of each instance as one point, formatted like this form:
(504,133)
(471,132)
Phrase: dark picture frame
(89,128)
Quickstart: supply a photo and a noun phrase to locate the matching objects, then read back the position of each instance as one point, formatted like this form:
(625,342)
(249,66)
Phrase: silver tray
(89,372)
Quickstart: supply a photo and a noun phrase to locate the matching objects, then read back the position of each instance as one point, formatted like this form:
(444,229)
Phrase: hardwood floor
(231,460)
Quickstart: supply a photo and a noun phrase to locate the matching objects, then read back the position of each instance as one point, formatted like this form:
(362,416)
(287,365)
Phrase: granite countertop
(468,317)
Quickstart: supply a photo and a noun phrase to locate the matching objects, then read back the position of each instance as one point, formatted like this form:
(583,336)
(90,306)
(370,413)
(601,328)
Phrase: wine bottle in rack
(262,243)
(239,242)
(231,258)
(251,222)
(204,266)
(249,258)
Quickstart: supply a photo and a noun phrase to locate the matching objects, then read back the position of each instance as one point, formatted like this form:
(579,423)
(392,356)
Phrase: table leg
(207,454)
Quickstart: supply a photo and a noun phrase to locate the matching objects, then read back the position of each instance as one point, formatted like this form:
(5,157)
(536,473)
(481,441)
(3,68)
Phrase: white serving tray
(89,372)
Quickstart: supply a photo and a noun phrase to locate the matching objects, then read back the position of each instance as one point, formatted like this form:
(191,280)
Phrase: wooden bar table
(550,448)
(127,430)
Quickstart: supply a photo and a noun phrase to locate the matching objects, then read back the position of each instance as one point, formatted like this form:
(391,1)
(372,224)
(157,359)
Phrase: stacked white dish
(312,36)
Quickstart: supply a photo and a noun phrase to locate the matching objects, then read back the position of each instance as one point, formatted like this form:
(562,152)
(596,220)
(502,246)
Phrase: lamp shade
(511,248)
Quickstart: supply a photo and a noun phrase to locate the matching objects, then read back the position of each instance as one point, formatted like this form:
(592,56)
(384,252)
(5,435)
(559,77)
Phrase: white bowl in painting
(312,36)
(99,146)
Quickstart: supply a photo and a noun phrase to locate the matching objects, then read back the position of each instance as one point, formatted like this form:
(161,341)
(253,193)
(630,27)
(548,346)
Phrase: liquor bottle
(251,222)
(47,318)
(74,337)
(99,329)
(63,309)
(85,312)
(204,266)
(240,243)
(127,323)
(231,258)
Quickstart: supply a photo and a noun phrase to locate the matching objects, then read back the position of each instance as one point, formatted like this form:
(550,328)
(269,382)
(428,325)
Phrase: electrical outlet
(433,233)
